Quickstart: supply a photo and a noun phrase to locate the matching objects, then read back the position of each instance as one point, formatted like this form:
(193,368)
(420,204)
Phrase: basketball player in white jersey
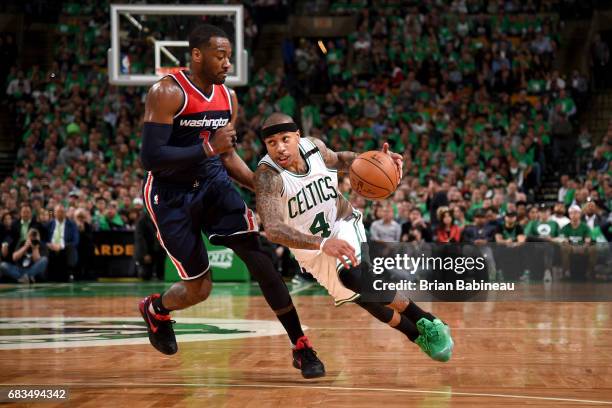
(296,185)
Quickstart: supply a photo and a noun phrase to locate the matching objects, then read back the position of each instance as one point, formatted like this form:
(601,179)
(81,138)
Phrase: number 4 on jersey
(320,225)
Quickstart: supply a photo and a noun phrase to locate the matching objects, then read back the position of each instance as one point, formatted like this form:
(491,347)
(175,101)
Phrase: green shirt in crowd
(510,233)
(536,228)
(576,235)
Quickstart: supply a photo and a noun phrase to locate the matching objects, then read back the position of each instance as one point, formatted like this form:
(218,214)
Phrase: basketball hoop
(168,70)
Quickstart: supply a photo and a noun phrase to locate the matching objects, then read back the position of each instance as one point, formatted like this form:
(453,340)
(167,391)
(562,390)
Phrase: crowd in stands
(466,91)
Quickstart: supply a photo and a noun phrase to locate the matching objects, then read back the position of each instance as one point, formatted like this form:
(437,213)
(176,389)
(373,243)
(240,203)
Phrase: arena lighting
(322,47)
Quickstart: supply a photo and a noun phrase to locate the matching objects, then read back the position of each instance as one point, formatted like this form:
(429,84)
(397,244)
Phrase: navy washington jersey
(197,121)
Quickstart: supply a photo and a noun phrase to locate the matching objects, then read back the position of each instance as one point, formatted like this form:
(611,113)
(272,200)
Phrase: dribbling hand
(397,159)
(339,248)
(223,141)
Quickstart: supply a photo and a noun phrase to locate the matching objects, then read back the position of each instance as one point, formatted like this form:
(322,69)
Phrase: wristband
(322,243)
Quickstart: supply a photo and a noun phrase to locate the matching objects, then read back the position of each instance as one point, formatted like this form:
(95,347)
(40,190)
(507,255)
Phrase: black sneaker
(305,359)
(161,334)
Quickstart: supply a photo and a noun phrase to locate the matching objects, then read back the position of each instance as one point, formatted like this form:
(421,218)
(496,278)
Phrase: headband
(281,127)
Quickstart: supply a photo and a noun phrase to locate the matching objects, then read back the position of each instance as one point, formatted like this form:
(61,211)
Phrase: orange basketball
(374,175)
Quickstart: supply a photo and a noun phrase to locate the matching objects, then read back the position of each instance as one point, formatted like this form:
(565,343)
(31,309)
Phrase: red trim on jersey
(229,98)
(147,200)
(197,102)
(185,95)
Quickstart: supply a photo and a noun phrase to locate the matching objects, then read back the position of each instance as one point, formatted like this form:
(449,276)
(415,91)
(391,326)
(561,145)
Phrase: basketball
(374,175)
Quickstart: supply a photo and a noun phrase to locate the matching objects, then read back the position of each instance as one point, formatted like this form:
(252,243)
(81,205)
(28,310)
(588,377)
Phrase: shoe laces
(434,335)
(309,355)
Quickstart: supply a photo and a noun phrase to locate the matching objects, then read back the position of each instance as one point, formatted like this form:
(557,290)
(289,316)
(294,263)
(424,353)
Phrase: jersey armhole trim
(317,150)
(185,100)
(229,99)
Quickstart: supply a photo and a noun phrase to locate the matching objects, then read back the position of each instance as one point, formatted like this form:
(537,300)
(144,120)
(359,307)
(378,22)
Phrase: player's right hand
(339,248)
(223,140)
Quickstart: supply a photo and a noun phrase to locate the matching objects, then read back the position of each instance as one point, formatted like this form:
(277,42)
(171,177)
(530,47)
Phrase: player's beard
(220,80)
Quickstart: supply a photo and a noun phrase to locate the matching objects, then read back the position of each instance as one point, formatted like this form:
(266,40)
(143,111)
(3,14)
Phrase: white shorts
(325,268)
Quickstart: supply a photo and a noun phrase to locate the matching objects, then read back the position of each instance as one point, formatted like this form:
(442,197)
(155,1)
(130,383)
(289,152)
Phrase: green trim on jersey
(320,155)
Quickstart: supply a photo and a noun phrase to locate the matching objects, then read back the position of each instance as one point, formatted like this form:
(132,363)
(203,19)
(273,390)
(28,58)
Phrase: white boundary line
(319,387)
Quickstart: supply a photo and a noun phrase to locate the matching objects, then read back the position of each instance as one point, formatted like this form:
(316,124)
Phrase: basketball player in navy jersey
(188,153)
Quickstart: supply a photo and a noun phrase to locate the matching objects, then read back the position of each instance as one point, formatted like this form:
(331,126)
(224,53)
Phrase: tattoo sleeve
(268,188)
(340,161)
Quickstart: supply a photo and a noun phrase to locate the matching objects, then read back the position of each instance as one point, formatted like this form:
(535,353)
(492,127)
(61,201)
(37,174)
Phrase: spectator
(510,231)
(29,261)
(447,231)
(591,214)
(148,254)
(509,236)
(544,228)
(545,231)
(563,189)
(70,153)
(417,221)
(5,228)
(577,235)
(559,215)
(99,220)
(21,226)
(85,247)
(386,229)
(599,163)
(19,87)
(115,222)
(480,233)
(63,243)
(576,232)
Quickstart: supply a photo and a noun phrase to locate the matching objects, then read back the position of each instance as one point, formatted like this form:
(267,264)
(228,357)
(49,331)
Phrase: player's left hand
(397,158)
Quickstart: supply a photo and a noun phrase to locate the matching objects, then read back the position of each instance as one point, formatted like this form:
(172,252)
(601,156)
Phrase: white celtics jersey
(309,200)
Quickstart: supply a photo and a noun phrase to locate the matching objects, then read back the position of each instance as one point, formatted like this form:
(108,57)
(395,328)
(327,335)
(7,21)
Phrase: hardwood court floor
(507,354)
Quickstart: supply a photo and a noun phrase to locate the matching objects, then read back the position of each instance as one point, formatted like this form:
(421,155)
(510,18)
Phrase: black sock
(385,315)
(408,328)
(291,322)
(415,313)
(158,306)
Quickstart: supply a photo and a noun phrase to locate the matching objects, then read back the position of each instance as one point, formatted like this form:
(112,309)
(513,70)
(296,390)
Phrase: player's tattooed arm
(340,161)
(268,189)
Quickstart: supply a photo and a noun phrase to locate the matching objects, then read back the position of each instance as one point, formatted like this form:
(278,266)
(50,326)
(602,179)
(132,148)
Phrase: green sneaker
(435,339)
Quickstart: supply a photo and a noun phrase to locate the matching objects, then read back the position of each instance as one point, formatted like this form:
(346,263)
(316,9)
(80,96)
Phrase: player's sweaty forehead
(219,44)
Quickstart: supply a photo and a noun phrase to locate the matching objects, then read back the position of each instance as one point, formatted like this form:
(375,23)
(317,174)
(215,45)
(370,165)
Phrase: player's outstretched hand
(397,158)
(223,141)
(339,248)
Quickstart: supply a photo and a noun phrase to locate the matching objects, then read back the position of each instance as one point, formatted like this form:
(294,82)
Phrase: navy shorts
(182,214)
